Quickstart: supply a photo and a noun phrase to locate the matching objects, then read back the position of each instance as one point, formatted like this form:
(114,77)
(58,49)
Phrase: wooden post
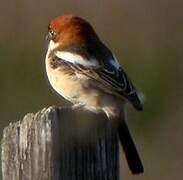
(60,144)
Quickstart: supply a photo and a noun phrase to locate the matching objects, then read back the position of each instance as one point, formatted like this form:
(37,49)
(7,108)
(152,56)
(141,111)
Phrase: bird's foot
(78,106)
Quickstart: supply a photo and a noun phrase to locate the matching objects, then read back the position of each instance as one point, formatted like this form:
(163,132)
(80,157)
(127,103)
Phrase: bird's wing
(110,74)
(121,84)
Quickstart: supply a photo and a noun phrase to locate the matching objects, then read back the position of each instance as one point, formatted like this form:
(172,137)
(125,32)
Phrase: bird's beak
(48,38)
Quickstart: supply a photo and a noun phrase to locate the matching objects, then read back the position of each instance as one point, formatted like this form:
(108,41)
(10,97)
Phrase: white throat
(52,45)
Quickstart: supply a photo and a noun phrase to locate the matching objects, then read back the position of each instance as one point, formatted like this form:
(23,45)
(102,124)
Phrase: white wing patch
(76,59)
(114,62)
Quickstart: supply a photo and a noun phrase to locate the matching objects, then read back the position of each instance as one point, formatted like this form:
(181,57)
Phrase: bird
(83,70)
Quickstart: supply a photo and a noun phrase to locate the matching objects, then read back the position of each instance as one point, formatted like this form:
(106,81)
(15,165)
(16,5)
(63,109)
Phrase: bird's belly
(63,84)
(73,88)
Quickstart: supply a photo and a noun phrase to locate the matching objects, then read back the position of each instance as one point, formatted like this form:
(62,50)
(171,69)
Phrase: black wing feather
(122,85)
(116,80)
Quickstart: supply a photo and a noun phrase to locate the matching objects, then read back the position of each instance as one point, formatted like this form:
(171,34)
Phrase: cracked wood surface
(60,144)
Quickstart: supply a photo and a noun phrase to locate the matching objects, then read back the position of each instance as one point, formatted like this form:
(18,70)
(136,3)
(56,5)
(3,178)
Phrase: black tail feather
(129,148)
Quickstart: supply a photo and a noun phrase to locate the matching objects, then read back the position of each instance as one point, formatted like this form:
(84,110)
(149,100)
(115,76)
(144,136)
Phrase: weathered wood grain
(60,144)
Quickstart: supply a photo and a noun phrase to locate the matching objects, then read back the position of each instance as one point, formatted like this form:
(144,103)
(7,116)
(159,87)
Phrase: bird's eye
(52,34)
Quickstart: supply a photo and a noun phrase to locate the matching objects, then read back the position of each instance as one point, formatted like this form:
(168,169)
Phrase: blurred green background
(146,37)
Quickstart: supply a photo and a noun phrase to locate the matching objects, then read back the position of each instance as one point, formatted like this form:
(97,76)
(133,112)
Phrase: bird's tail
(132,156)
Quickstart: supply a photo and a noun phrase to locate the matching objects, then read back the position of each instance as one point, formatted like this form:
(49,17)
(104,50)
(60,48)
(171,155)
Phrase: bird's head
(68,30)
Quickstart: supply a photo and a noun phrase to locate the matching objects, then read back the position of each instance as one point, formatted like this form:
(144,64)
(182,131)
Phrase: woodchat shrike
(84,71)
